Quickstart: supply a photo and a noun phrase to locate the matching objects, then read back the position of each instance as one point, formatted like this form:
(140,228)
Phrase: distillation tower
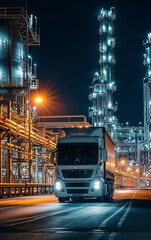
(147,97)
(133,143)
(103,85)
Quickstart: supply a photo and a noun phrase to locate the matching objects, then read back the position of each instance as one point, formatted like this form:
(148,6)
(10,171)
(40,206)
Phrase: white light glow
(58,185)
(104,28)
(96,184)
(109,105)
(20,72)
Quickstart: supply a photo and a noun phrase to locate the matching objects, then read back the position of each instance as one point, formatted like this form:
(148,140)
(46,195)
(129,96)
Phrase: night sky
(68,55)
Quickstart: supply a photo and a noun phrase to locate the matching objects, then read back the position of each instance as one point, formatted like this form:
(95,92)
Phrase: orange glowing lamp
(38,100)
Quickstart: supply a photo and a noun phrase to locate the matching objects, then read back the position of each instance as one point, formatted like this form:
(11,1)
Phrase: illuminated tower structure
(103,85)
(147,97)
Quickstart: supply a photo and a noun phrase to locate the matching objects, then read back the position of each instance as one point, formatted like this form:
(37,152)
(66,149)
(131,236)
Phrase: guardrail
(24,189)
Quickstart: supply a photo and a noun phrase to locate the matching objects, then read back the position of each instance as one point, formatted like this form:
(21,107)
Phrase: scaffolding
(26,151)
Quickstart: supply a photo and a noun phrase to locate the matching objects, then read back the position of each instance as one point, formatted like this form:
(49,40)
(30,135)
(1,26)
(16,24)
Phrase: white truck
(85,164)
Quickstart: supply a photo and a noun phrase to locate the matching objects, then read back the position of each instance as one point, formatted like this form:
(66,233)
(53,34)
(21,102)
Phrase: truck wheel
(61,199)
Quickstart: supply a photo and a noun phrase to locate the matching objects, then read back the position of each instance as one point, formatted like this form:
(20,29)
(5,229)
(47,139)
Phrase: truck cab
(82,167)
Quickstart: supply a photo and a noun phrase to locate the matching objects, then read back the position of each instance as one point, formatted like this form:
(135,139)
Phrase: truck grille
(72,191)
(77,173)
(76,185)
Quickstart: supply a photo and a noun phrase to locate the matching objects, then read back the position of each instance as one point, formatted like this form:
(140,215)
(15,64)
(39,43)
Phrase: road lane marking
(19,221)
(126,212)
(122,219)
(124,215)
(103,224)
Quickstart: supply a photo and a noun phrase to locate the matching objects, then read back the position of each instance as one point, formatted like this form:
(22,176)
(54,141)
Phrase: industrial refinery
(28,142)
(25,151)
(132,143)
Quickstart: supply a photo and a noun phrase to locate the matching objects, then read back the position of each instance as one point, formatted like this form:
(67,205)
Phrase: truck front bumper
(82,189)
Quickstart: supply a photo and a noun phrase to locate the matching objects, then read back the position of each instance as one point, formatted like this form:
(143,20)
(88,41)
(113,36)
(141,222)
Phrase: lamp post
(34,108)
(36,101)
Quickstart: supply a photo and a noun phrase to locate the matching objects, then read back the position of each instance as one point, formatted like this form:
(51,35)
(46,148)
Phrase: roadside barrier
(24,189)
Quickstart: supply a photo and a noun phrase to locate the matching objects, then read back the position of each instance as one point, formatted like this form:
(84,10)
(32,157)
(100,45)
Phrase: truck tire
(61,199)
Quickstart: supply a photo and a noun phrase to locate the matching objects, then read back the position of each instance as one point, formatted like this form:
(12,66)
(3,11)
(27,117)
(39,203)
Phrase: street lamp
(39,100)
(36,102)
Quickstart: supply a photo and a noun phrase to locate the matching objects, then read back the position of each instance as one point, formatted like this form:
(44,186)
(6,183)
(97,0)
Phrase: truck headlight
(58,185)
(96,184)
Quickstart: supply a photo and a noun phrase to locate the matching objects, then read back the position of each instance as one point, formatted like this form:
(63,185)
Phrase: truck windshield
(77,154)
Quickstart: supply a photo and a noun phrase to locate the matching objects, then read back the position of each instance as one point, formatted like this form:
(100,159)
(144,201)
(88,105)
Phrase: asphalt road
(127,217)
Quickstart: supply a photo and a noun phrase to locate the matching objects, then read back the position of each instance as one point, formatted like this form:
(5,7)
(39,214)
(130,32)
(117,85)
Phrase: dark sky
(68,55)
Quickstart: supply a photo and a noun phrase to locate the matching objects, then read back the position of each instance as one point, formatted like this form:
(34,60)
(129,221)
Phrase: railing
(12,12)
(62,121)
(24,189)
(20,131)
(23,21)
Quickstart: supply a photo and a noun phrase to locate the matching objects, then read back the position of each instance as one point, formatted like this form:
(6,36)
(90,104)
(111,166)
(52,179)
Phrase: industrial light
(104,47)
(104,71)
(104,58)
(110,28)
(104,28)
(96,74)
(20,72)
(38,100)
(109,105)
